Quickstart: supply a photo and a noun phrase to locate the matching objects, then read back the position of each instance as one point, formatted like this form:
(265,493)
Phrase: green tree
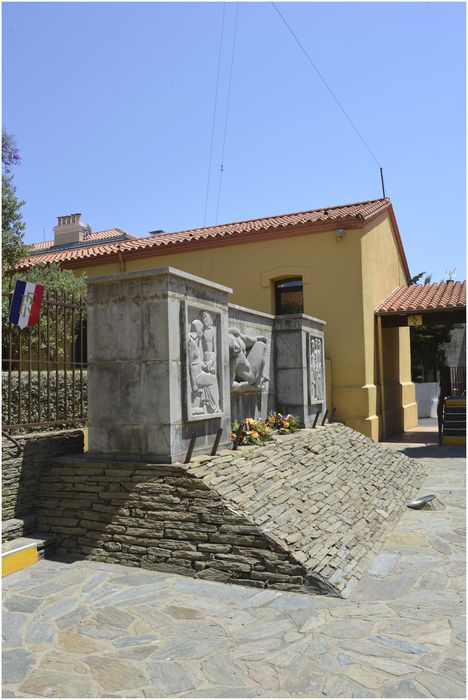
(428,344)
(13,226)
(62,283)
(61,286)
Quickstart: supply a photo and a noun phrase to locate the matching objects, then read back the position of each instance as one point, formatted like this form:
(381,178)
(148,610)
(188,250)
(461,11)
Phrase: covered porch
(413,306)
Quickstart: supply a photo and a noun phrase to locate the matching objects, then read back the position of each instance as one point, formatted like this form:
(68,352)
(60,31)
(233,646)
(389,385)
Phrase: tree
(60,285)
(428,351)
(13,226)
(428,344)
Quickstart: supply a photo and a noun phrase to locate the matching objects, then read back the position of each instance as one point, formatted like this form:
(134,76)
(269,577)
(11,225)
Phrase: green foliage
(428,351)
(419,276)
(428,344)
(13,226)
(62,283)
(10,153)
(56,411)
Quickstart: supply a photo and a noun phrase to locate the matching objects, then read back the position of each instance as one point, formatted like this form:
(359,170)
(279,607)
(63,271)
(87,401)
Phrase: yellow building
(336,264)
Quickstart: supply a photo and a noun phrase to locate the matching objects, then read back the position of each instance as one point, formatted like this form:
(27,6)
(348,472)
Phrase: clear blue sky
(112,107)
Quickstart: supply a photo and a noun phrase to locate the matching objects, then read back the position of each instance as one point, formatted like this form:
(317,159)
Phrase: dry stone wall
(328,494)
(21,475)
(162,518)
(296,514)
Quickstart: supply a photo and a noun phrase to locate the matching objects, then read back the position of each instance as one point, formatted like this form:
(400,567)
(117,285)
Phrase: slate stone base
(298,514)
(21,476)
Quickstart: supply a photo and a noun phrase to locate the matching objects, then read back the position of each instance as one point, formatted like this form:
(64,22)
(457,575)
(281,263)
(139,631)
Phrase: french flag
(26,305)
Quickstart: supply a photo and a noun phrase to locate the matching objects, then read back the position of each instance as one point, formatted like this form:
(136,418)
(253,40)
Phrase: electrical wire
(327,85)
(221,170)
(214,112)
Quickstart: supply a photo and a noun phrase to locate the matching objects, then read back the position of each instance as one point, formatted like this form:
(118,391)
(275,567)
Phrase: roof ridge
(353,214)
(277,216)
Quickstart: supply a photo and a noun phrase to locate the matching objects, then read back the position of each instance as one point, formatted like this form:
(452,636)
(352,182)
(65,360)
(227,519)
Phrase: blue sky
(112,108)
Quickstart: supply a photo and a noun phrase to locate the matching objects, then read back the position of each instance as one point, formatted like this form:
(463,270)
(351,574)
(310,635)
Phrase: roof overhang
(424,319)
(424,304)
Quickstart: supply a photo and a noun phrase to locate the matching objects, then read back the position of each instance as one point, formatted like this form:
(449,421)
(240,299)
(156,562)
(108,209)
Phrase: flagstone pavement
(86,629)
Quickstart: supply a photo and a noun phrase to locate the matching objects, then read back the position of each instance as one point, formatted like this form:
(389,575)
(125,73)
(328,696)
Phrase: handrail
(19,448)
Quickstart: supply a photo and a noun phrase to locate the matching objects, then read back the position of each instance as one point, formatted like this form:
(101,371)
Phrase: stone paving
(89,629)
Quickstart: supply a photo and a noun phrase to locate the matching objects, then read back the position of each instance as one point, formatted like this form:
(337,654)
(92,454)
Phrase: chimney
(69,229)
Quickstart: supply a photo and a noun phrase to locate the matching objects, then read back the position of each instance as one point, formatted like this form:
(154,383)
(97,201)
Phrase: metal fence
(452,381)
(44,377)
(457,380)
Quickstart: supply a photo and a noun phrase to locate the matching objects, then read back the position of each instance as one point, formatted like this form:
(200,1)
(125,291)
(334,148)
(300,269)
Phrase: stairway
(454,421)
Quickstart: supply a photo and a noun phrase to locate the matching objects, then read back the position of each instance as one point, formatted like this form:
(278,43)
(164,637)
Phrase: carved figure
(209,339)
(210,350)
(316,369)
(203,380)
(246,360)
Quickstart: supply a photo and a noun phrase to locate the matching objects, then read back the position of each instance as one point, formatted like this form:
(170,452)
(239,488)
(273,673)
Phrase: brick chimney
(69,229)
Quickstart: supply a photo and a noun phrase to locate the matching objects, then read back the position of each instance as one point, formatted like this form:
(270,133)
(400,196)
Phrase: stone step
(17,555)
(21,552)
(18,527)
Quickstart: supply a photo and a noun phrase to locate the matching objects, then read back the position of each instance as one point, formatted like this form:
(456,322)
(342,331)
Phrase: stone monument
(158,371)
(300,366)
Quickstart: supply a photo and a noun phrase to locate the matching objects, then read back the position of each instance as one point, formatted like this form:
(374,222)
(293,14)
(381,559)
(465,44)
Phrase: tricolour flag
(26,305)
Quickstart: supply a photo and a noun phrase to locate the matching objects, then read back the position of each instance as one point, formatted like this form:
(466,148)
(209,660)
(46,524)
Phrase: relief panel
(247,357)
(204,363)
(316,369)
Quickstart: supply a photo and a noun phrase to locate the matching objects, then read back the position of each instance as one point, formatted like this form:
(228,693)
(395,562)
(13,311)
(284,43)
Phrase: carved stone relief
(247,355)
(316,368)
(203,363)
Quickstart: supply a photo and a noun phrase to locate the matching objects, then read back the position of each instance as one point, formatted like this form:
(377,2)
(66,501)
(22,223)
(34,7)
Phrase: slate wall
(162,518)
(21,475)
(301,513)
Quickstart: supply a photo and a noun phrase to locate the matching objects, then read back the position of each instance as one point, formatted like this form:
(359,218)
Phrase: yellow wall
(343,280)
(382,272)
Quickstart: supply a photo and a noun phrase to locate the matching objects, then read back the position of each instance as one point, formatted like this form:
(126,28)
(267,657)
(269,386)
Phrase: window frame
(279,292)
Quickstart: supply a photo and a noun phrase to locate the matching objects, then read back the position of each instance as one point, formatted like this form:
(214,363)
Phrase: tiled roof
(420,298)
(88,238)
(351,215)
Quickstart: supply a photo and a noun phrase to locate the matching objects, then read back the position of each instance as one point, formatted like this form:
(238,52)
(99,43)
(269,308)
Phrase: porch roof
(424,298)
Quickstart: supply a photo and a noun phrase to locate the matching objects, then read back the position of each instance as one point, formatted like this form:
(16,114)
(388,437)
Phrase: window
(289,297)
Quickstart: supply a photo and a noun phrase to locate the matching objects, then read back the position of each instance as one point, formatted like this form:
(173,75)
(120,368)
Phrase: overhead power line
(326,85)
(221,169)
(214,112)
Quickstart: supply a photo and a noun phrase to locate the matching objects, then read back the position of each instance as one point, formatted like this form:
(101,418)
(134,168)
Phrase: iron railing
(457,380)
(44,378)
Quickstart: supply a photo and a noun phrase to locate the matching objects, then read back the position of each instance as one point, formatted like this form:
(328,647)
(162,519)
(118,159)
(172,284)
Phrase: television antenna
(450,272)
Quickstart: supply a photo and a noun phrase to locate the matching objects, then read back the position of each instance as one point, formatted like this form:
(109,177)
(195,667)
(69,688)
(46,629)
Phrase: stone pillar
(300,366)
(252,374)
(158,365)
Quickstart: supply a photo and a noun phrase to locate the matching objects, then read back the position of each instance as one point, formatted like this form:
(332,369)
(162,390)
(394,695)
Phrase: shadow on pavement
(432,451)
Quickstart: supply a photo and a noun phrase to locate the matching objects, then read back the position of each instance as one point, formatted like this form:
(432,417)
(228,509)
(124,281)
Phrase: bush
(57,394)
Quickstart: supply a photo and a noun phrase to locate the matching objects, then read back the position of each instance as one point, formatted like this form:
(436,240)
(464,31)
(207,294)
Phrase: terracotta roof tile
(88,238)
(239,230)
(418,298)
